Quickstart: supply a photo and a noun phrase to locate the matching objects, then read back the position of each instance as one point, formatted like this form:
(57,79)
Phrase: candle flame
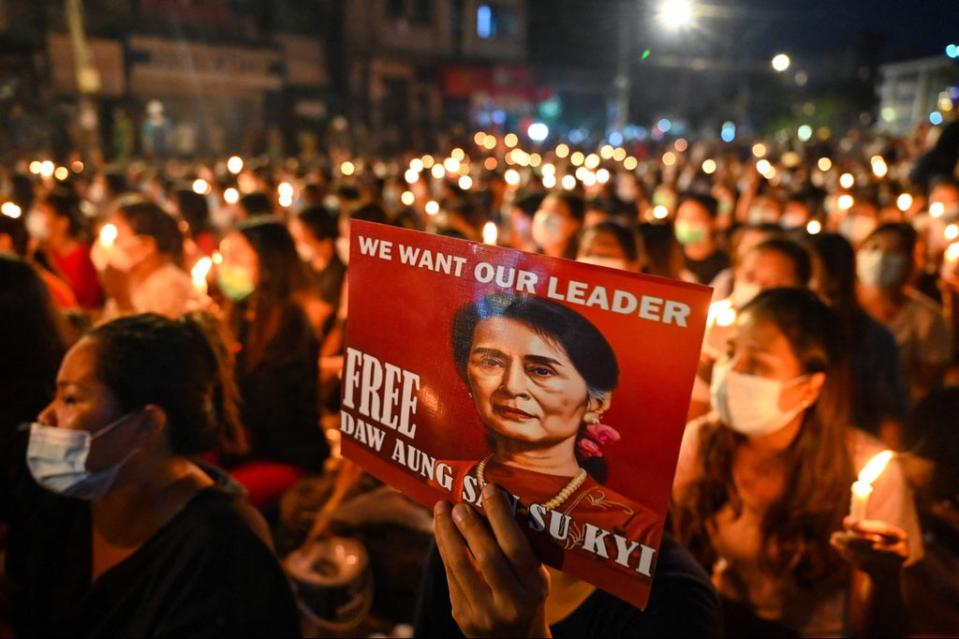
(721,313)
(490,233)
(874,467)
(108,235)
(200,270)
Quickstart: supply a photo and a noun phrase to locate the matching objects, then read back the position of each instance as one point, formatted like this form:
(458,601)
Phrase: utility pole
(622,83)
(88,81)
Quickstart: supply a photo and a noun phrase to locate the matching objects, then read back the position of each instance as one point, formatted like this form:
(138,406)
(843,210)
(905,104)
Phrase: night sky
(585,31)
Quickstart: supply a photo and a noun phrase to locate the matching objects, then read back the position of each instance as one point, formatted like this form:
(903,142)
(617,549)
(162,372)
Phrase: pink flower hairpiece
(597,436)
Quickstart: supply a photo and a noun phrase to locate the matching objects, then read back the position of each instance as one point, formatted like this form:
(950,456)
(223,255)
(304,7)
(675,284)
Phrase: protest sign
(567,384)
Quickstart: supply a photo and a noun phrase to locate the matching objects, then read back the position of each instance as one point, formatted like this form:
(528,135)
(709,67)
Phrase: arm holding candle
(881,536)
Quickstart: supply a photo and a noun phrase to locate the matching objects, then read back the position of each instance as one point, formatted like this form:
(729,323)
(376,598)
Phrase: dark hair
(254,204)
(116,181)
(467,210)
(794,252)
(282,278)
(588,350)
(22,190)
(281,271)
(626,238)
(704,200)
(179,365)
(907,235)
(369,213)
(64,203)
(32,342)
(320,222)
(796,529)
(16,228)
(146,218)
(574,203)
(193,209)
(837,275)
(659,242)
(529,202)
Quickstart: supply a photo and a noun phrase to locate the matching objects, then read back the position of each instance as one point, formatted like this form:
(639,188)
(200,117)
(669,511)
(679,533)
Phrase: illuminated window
(494,21)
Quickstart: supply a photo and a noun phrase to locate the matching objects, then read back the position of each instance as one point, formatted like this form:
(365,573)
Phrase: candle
(862,487)
(199,272)
(490,233)
(108,235)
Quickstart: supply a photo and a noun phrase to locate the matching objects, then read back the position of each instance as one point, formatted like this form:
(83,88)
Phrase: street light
(676,14)
(780,62)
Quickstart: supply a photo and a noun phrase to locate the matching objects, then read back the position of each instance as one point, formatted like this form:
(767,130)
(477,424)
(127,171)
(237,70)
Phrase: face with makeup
(524,385)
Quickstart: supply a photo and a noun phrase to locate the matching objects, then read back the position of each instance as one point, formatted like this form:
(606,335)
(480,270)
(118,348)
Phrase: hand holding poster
(566,384)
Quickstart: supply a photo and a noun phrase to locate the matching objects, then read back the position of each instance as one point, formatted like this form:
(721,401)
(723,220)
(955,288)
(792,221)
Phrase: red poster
(567,384)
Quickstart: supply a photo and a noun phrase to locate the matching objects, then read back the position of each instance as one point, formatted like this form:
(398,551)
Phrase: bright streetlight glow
(675,14)
(781,62)
(537,131)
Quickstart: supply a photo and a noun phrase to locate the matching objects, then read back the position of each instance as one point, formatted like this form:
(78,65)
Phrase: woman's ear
(596,405)
(153,423)
(813,388)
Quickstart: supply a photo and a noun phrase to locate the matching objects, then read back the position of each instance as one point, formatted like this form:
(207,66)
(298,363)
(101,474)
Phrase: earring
(591,418)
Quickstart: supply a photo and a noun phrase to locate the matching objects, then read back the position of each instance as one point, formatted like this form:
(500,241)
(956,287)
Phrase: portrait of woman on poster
(541,378)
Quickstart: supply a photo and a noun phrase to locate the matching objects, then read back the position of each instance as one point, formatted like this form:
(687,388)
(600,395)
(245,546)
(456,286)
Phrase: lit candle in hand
(490,233)
(862,487)
(199,273)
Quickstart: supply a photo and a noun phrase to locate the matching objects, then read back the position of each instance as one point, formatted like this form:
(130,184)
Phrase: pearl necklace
(553,503)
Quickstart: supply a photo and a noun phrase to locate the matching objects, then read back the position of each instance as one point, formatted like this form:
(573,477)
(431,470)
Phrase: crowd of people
(173,340)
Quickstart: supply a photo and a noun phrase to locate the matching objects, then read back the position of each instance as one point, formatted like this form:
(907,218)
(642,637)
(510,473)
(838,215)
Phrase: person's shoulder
(687,466)
(920,303)
(862,447)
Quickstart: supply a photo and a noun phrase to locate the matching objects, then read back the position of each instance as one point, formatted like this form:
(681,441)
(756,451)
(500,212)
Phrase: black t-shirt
(706,270)
(205,573)
(682,603)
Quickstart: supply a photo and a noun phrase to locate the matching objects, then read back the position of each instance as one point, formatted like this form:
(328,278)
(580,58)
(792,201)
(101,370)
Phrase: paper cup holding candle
(862,487)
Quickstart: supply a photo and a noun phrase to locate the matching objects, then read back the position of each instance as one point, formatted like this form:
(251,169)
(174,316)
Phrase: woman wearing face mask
(762,484)
(774,263)
(57,223)
(315,231)
(611,245)
(557,223)
(140,262)
(696,231)
(116,530)
(884,264)
(879,400)
(263,279)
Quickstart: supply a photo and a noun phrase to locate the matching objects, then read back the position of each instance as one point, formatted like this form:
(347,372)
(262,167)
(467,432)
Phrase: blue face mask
(57,459)
(880,268)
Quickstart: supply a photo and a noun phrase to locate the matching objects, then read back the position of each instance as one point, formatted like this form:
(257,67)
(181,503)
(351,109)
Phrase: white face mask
(743,293)
(608,262)
(57,459)
(38,226)
(749,404)
(548,229)
(306,252)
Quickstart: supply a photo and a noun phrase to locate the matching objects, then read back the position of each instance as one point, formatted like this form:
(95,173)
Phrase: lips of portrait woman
(525,387)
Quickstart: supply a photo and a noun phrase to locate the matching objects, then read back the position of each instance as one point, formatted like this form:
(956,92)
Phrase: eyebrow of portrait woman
(536,359)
